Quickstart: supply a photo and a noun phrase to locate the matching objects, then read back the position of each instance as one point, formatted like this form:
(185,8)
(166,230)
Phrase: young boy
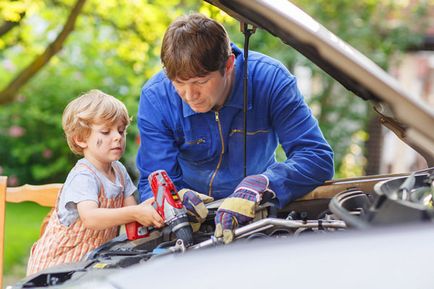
(97,195)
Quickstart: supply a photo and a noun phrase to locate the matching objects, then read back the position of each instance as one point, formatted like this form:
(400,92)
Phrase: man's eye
(202,82)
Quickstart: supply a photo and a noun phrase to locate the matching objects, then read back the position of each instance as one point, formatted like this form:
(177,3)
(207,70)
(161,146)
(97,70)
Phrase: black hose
(346,216)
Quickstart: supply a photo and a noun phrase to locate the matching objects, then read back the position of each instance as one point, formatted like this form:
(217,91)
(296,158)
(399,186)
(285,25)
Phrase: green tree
(380,30)
(9,92)
(114,45)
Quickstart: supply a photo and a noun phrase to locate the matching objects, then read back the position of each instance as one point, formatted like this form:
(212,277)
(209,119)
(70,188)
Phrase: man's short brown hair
(193,46)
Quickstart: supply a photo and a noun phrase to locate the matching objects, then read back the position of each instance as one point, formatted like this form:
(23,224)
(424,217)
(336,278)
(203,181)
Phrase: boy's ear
(81,143)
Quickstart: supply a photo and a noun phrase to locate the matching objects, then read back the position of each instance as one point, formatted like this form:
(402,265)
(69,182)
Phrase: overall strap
(101,187)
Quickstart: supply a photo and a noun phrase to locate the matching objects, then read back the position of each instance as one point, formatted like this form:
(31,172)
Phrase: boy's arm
(101,218)
(130,201)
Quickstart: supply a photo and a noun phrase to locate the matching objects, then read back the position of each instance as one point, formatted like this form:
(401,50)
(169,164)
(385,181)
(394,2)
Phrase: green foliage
(365,26)
(23,223)
(376,28)
(34,149)
(115,47)
(379,29)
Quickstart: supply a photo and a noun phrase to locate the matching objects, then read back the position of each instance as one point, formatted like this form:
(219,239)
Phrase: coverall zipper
(221,152)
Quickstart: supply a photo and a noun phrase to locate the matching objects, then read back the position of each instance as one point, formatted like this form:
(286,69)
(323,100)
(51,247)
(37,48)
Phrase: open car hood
(405,114)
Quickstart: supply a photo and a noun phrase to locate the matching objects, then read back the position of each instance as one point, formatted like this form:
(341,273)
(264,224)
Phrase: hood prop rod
(247,33)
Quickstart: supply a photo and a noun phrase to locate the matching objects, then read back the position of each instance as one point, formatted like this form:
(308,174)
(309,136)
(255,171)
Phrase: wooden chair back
(44,195)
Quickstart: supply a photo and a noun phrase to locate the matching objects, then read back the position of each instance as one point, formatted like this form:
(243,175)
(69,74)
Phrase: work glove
(195,202)
(239,207)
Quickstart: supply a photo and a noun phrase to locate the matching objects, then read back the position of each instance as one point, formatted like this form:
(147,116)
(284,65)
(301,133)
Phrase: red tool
(169,206)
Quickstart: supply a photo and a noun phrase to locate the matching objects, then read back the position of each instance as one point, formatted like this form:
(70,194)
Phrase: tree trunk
(8,94)
(8,25)
(374,146)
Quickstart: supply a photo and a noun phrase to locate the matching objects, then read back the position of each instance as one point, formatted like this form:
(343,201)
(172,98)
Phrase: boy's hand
(149,201)
(148,216)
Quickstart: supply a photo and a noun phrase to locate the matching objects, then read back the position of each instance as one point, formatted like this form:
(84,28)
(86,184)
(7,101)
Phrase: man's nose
(190,93)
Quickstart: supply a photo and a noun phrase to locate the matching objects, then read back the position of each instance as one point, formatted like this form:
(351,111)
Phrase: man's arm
(158,149)
(309,157)
(309,160)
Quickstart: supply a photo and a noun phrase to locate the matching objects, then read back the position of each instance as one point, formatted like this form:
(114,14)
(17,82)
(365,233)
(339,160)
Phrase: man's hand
(194,202)
(239,207)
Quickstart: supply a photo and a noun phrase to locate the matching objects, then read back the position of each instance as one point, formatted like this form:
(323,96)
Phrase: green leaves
(115,47)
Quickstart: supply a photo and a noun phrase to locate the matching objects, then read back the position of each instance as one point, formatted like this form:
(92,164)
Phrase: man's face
(209,92)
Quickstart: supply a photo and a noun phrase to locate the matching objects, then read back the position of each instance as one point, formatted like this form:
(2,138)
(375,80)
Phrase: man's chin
(200,109)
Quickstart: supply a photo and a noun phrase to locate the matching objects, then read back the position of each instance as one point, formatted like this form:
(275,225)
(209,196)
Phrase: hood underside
(405,114)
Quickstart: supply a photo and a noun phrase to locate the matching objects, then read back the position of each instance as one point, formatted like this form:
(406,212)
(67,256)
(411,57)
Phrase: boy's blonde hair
(92,107)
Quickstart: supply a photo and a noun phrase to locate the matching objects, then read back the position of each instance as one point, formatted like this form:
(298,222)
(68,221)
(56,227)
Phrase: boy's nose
(117,135)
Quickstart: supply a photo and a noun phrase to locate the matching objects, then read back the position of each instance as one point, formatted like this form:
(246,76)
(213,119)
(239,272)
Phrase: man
(190,120)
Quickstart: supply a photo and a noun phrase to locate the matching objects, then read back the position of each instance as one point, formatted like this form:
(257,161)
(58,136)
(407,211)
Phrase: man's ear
(230,62)
(81,143)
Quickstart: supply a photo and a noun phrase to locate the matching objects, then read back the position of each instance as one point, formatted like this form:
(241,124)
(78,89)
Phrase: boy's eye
(105,132)
(121,131)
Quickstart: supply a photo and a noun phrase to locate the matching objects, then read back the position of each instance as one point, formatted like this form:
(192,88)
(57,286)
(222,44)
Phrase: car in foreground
(366,232)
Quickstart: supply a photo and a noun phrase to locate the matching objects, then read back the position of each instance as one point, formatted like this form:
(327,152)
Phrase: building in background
(415,71)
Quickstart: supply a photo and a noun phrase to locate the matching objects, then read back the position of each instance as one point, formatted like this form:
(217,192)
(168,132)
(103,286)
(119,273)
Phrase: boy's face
(209,92)
(105,144)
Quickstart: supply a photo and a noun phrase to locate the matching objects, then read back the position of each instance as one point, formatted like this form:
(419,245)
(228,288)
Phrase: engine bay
(358,205)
